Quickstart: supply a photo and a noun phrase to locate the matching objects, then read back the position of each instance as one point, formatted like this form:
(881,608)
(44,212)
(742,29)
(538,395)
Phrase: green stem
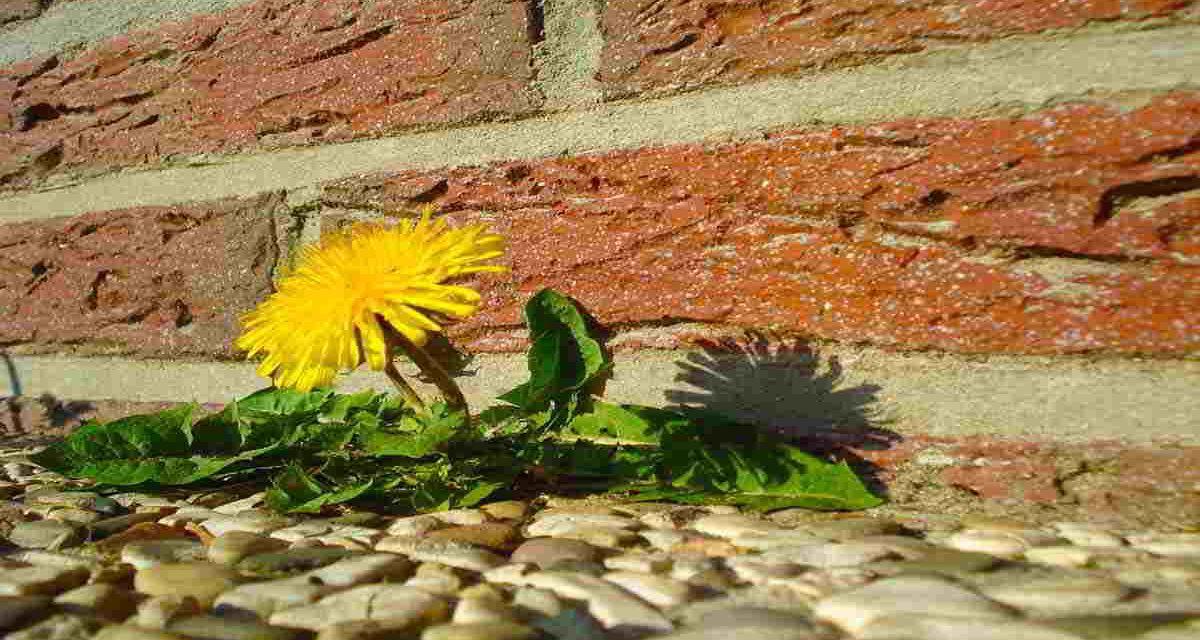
(433,369)
(406,391)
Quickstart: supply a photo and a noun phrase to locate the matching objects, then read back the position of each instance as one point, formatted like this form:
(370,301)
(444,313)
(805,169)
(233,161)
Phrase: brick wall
(967,179)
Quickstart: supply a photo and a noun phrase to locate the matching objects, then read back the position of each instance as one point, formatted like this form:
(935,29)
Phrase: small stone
(826,555)
(74,499)
(133,500)
(925,627)
(753,570)
(131,632)
(662,538)
(947,561)
(498,536)
(776,539)
(109,526)
(1180,545)
(1076,595)
(245,521)
(414,526)
(356,570)
(454,554)
(18,611)
(554,525)
(507,510)
(437,579)
(640,562)
(188,515)
(482,591)
(499,630)
(615,608)
(537,602)
(993,523)
(1006,544)
(461,517)
(158,611)
(101,600)
(398,604)
(45,534)
(711,547)
(604,537)
(684,567)
(281,564)
(307,529)
(78,517)
(474,610)
(1060,556)
(509,573)
(659,591)
(915,595)
(544,552)
(58,627)
(40,581)
(203,581)
(239,506)
(851,528)
(265,598)
(732,604)
(231,548)
(1086,535)
(149,553)
(748,622)
(1111,627)
(43,558)
(211,627)
(732,526)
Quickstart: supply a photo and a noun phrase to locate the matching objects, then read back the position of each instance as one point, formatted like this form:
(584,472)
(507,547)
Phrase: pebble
(612,606)
(496,630)
(279,564)
(545,552)
(188,515)
(265,598)
(846,554)
(203,581)
(148,553)
(117,524)
(659,591)
(1060,556)
(414,526)
(454,554)
(309,529)
(537,602)
(245,504)
(640,562)
(251,522)
(131,632)
(926,627)
(507,510)
(77,517)
(471,610)
(999,543)
(356,570)
(557,524)
(732,525)
(497,536)
(35,581)
(462,517)
(106,601)
(229,549)
(63,626)
(1079,594)
(156,612)
(45,534)
(947,561)
(924,595)
(398,604)
(437,579)
(751,623)
(211,627)
(1182,545)
(1086,535)
(18,611)
(775,539)
(851,528)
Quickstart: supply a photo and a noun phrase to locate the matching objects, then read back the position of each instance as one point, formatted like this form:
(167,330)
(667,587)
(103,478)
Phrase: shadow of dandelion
(785,387)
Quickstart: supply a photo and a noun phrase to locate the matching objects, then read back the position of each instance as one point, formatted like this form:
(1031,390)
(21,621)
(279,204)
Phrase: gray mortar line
(1029,72)
(75,24)
(568,58)
(1068,400)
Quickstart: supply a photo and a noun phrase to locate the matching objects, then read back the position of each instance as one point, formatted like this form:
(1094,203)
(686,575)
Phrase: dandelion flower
(329,313)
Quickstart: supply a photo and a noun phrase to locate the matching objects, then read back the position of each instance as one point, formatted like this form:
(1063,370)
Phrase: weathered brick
(651,45)
(152,281)
(1071,230)
(270,73)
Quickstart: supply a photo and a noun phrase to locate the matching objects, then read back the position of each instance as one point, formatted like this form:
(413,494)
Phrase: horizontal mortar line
(936,394)
(952,81)
(77,24)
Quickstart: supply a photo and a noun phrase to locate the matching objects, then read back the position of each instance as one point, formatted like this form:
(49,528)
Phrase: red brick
(270,73)
(652,45)
(153,281)
(1072,230)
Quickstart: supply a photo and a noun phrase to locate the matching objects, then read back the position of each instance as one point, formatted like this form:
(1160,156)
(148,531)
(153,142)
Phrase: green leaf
(296,491)
(277,401)
(478,493)
(166,433)
(767,476)
(417,435)
(563,357)
(627,423)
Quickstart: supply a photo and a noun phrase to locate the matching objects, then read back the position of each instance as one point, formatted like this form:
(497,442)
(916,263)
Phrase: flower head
(328,314)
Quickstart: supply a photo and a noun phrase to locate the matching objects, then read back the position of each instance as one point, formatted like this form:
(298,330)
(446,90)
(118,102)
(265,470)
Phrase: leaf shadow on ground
(784,386)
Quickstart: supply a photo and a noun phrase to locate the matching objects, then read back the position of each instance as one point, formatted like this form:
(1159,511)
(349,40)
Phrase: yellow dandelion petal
(327,313)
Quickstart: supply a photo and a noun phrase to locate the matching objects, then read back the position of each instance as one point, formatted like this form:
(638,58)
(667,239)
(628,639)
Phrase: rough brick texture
(154,281)
(652,45)
(1070,230)
(274,72)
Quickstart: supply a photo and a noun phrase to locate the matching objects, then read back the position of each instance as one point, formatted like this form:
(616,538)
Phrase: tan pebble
(204,581)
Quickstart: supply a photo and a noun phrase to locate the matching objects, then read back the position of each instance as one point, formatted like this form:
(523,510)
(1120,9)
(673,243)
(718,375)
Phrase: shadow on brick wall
(784,386)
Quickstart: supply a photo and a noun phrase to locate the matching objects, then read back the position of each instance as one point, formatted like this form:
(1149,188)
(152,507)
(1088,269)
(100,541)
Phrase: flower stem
(433,369)
(406,391)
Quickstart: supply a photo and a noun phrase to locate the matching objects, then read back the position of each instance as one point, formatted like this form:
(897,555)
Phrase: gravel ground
(220,566)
